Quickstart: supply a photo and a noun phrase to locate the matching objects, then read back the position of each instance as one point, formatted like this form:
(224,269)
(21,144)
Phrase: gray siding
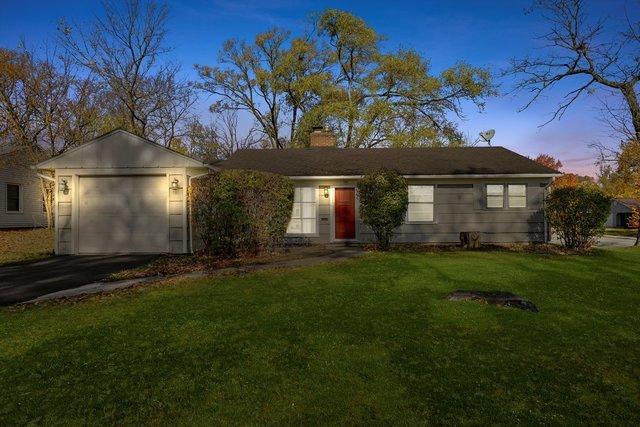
(32,214)
(459,205)
(614,219)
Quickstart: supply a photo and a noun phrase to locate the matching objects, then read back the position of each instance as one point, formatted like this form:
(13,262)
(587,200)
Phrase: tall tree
(46,107)
(126,48)
(391,98)
(582,50)
(274,79)
(219,139)
(341,79)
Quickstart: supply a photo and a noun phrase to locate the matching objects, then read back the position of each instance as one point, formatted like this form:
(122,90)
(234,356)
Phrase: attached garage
(122,194)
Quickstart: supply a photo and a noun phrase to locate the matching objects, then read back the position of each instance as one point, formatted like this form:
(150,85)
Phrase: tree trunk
(631,97)
(47,196)
(294,118)
(634,109)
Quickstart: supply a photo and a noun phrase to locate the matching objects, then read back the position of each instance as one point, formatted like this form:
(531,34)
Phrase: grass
(363,341)
(626,232)
(25,245)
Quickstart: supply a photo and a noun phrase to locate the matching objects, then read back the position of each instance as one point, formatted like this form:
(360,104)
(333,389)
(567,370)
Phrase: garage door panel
(123,214)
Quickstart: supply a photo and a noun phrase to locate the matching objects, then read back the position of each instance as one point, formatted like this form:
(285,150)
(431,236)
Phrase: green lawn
(25,245)
(359,341)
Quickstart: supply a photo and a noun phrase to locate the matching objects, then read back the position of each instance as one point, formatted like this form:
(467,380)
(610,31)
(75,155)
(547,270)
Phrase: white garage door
(123,214)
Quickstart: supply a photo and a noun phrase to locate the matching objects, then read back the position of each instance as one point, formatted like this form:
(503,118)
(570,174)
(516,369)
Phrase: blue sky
(483,33)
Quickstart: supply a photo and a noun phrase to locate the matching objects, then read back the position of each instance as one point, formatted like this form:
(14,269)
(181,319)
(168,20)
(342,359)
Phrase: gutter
(476,176)
(48,178)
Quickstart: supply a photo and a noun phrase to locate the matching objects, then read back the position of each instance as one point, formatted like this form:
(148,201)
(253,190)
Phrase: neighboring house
(21,203)
(621,210)
(120,193)
(487,189)
(124,194)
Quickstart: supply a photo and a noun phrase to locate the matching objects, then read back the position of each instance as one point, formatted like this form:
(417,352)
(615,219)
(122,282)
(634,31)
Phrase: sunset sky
(483,33)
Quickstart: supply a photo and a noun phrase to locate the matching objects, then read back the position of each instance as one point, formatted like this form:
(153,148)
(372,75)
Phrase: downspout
(545,193)
(190,214)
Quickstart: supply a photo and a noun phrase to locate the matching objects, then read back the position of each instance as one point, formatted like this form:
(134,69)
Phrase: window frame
(487,195)
(316,201)
(432,203)
(20,198)
(526,197)
(505,197)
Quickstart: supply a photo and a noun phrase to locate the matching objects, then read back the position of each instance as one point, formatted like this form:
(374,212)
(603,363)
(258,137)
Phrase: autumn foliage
(634,219)
(549,161)
(577,214)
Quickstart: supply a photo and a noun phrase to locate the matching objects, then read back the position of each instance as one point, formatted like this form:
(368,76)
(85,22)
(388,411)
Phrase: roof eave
(478,176)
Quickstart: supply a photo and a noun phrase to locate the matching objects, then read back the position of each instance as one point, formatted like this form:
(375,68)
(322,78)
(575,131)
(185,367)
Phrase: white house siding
(32,214)
(459,205)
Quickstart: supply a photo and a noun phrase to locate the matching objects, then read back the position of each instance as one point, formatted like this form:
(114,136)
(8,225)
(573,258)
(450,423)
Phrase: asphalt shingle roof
(407,161)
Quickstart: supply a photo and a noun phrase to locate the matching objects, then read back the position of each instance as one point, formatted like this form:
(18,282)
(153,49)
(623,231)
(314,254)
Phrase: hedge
(577,214)
(241,211)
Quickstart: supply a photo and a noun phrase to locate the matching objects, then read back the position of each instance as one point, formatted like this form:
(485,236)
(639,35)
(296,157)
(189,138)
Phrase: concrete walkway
(99,287)
(616,241)
(608,241)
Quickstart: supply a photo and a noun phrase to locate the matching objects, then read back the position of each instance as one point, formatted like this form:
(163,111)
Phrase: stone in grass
(499,298)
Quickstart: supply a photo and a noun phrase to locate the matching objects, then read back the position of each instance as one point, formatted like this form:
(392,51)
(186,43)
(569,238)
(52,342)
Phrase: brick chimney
(320,137)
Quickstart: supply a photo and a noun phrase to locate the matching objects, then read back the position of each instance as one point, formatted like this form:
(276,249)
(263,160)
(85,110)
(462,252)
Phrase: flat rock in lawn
(499,298)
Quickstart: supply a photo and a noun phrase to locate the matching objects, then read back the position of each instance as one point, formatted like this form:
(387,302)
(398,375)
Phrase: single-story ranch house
(123,193)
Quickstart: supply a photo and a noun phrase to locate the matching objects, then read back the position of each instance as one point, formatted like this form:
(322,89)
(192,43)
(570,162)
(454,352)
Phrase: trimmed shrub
(577,214)
(383,203)
(241,211)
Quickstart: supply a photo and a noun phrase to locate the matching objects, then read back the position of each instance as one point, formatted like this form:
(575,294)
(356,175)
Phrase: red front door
(345,213)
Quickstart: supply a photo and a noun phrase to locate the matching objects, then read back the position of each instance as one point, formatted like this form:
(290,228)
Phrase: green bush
(240,211)
(383,203)
(577,214)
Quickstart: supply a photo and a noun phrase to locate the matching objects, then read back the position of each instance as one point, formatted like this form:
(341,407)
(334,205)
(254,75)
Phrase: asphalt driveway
(24,282)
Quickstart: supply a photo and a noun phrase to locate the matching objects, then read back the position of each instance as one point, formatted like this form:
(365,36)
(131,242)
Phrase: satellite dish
(487,135)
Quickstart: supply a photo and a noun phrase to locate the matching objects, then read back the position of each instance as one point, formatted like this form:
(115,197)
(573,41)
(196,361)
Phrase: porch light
(175,184)
(325,191)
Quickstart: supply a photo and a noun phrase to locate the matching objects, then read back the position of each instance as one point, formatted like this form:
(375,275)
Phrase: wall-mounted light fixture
(325,191)
(175,184)
(64,186)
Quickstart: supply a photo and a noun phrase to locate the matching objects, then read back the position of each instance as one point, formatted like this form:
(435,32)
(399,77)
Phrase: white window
(420,203)
(14,199)
(495,196)
(517,196)
(303,217)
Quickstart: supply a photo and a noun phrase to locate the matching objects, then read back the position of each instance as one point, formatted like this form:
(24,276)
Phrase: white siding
(32,214)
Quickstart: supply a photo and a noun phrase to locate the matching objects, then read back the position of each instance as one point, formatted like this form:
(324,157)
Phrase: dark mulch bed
(170,265)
